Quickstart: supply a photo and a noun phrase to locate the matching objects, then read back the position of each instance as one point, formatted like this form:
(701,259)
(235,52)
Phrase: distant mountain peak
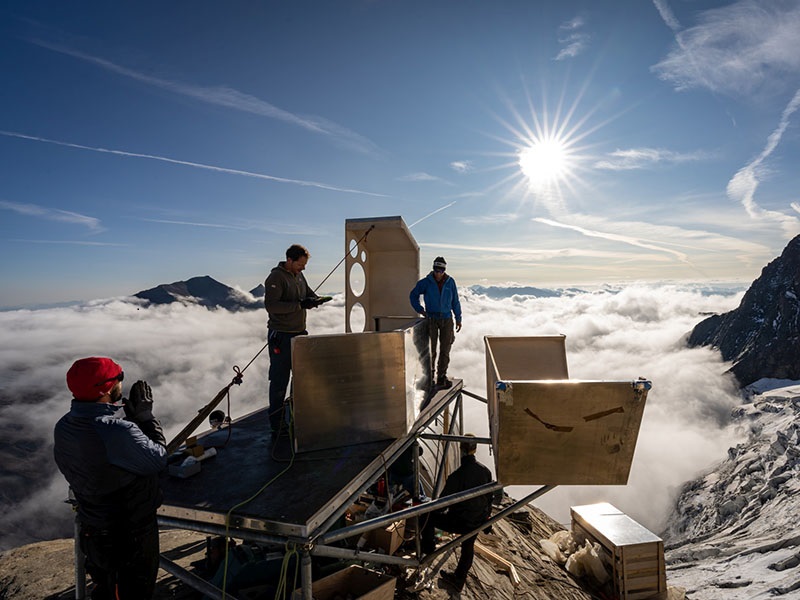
(204,291)
(762,335)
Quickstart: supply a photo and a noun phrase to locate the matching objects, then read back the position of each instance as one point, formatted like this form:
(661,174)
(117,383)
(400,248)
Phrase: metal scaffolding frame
(318,541)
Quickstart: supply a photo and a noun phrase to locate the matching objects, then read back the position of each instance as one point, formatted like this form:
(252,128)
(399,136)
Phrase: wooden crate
(387,539)
(636,555)
(362,583)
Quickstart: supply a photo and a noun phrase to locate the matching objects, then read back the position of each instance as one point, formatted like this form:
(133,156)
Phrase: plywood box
(387,539)
(636,555)
(356,582)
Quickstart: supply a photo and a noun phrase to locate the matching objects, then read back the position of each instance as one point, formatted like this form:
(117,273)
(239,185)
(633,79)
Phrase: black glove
(310,302)
(139,407)
(487,530)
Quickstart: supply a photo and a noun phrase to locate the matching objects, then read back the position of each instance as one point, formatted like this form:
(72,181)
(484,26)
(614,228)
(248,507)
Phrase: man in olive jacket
(287,296)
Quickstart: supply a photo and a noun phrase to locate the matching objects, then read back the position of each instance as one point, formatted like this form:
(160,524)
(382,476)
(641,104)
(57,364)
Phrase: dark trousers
(280,370)
(451,524)
(122,562)
(441,331)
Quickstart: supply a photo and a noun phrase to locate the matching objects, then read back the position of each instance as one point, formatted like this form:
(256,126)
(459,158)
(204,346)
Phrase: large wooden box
(636,555)
(353,582)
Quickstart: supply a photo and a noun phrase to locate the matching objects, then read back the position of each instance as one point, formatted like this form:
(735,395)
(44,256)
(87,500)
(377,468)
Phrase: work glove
(139,406)
(458,327)
(311,302)
(424,314)
(487,530)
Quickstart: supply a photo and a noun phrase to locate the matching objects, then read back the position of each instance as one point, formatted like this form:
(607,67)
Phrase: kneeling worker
(463,517)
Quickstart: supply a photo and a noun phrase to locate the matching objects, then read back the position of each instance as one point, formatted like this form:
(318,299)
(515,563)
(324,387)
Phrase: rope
(362,238)
(282,590)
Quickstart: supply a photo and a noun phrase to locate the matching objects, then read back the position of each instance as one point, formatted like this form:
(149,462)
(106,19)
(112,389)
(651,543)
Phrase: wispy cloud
(679,242)
(663,8)
(54,214)
(461,166)
(746,47)
(70,242)
(422,176)
(229,98)
(532,253)
(742,187)
(615,237)
(642,158)
(572,39)
(196,224)
(495,219)
(187,163)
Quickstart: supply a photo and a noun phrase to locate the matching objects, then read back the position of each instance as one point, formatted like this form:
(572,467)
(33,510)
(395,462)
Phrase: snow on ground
(735,534)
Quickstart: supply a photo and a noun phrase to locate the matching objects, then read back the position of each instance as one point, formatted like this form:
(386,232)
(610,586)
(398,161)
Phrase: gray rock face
(762,335)
(735,528)
(204,291)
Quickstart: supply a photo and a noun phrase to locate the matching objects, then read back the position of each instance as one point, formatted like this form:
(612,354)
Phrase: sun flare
(544,162)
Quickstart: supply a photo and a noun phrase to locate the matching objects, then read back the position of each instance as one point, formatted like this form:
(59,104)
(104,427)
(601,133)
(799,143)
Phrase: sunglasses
(438,270)
(119,377)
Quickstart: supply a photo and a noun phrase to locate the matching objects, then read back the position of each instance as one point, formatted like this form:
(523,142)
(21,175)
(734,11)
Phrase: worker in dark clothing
(111,455)
(441,304)
(286,298)
(463,517)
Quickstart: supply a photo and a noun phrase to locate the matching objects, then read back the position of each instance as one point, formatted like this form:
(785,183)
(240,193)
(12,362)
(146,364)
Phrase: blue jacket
(111,465)
(437,304)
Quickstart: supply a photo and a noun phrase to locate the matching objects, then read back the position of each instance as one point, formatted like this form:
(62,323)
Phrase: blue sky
(545,143)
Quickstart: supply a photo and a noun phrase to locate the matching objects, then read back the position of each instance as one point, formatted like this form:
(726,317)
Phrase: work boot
(453,580)
(444,383)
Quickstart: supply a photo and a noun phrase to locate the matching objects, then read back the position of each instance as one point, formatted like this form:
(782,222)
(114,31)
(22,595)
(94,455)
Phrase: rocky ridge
(734,533)
(762,336)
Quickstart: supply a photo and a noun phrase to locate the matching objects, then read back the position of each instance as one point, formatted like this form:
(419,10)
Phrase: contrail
(615,238)
(433,213)
(323,186)
(228,98)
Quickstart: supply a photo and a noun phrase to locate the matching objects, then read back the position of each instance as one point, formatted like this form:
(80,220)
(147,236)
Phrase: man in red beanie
(111,455)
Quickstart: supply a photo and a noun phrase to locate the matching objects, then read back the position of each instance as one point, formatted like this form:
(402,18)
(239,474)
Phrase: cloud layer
(187,353)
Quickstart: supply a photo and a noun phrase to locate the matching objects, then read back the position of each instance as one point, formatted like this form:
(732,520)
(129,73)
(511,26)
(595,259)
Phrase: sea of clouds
(187,354)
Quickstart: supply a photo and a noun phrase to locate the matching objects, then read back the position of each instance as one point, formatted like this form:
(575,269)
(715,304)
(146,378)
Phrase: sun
(550,153)
(545,162)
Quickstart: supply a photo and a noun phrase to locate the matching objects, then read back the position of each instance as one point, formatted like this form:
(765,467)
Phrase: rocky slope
(44,570)
(762,336)
(735,533)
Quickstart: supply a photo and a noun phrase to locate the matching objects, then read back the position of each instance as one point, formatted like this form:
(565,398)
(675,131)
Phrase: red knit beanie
(90,378)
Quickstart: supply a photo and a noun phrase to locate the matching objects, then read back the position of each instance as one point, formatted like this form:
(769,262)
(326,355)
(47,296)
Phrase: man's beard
(116,394)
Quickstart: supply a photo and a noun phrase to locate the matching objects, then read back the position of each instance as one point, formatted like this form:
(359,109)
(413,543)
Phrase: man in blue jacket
(111,455)
(441,303)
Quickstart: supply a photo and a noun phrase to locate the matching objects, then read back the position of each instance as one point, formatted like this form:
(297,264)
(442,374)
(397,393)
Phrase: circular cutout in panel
(353,248)
(358,318)
(357,279)
(363,256)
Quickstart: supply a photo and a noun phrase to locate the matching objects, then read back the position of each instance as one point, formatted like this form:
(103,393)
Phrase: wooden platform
(298,501)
